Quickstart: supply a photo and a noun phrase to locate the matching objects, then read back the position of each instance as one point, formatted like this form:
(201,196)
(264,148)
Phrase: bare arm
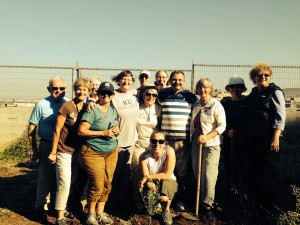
(32,141)
(60,121)
(84,131)
(169,167)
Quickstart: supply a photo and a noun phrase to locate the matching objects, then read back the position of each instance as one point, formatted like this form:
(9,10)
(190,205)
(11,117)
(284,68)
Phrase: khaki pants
(100,169)
(209,171)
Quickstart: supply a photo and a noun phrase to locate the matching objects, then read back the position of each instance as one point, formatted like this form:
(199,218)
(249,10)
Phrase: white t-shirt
(127,107)
(146,122)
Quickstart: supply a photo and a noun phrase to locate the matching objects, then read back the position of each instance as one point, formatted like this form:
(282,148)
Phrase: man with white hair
(43,117)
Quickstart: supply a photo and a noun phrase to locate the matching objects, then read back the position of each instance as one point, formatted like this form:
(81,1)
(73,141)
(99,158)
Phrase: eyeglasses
(236,86)
(106,93)
(263,75)
(144,76)
(160,141)
(150,94)
(60,88)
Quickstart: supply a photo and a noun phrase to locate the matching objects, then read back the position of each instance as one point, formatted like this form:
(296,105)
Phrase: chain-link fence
(287,77)
(30,82)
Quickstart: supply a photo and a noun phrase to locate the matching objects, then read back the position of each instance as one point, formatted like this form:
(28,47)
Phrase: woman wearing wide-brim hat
(233,148)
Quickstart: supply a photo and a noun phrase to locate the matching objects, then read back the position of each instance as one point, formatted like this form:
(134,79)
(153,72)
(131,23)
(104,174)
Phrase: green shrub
(18,150)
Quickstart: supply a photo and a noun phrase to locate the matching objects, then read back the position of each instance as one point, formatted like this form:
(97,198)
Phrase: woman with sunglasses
(157,165)
(148,119)
(207,124)
(265,122)
(234,137)
(99,153)
(65,146)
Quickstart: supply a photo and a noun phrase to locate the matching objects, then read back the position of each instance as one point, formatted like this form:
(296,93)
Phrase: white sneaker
(104,218)
(91,220)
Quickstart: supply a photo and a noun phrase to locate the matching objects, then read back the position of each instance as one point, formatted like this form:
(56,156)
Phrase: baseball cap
(147,72)
(106,86)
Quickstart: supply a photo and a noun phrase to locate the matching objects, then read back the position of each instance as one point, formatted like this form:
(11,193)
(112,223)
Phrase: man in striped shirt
(176,108)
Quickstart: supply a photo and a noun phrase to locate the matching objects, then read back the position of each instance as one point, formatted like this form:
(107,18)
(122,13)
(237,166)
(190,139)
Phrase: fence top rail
(37,67)
(236,65)
(132,69)
(87,68)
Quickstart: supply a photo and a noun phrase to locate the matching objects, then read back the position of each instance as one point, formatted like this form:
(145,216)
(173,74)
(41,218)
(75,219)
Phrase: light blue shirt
(280,113)
(44,115)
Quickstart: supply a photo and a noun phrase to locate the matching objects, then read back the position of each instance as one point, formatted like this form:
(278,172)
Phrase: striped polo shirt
(176,113)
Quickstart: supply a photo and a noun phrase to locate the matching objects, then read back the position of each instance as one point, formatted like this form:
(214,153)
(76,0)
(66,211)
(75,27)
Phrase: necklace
(147,113)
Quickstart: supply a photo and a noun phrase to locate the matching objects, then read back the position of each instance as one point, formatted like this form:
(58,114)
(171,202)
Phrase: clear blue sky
(149,34)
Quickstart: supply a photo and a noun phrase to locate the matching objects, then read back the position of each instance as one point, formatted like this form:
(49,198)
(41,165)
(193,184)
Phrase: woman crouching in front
(99,153)
(158,163)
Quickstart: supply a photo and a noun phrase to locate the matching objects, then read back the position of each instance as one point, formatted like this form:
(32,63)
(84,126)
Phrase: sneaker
(167,217)
(103,218)
(69,215)
(61,221)
(91,220)
(180,206)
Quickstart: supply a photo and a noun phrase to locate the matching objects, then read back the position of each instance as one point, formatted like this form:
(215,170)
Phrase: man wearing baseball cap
(144,78)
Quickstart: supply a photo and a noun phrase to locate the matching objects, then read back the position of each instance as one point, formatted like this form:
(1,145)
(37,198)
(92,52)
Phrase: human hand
(91,106)
(142,181)
(231,133)
(108,133)
(52,158)
(202,139)
(275,145)
(116,130)
(151,185)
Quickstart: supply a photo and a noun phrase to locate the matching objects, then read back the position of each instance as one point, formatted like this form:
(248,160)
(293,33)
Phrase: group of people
(127,139)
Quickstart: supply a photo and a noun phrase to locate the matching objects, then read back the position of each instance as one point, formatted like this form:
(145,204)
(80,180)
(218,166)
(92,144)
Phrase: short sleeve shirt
(100,121)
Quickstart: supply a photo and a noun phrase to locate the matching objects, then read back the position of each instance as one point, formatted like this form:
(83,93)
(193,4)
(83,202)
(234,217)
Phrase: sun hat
(106,86)
(236,80)
(147,72)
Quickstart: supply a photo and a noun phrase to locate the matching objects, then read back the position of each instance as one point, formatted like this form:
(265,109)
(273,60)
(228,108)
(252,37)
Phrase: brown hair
(119,77)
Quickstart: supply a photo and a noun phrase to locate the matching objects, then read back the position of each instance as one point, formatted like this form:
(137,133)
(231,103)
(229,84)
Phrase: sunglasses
(149,94)
(106,93)
(56,88)
(160,141)
(263,75)
(236,86)
(144,76)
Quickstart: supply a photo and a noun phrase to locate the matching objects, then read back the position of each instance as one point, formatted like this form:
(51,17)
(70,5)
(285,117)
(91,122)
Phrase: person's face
(95,86)
(177,82)
(150,97)
(236,90)
(144,80)
(263,79)
(126,83)
(57,90)
(81,93)
(162,79)
(155,139)
(105,97)
(204,90)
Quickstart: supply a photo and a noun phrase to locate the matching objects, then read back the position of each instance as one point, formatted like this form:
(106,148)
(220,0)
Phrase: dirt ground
(18,187)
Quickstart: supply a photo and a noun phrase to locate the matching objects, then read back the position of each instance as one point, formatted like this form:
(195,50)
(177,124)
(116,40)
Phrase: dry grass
(13,122)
